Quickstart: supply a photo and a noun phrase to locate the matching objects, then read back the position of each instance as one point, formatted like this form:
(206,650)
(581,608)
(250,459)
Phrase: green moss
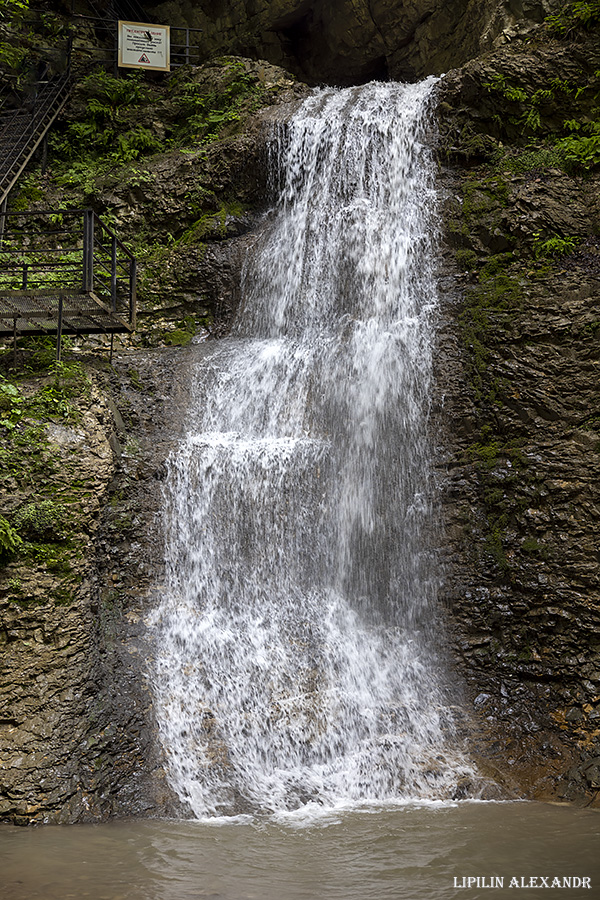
(591,422)
(62,596)
(480,195)
(467,260)
(208,225)
(177,338)
(27,602)
(495,497)
(124,523)
(485,455)
(497,264)
(44,519)
(531,547)
(134,377)
(494,547)
(489,306)
(57,558)
(28,190)
(25,457)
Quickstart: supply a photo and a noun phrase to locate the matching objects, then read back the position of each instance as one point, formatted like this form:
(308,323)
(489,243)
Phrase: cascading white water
(293,652)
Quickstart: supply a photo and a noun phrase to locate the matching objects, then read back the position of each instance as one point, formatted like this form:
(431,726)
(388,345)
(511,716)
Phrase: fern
(583,14)
(10,541)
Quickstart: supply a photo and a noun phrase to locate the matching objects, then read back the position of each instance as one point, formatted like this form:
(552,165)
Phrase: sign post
(143,46)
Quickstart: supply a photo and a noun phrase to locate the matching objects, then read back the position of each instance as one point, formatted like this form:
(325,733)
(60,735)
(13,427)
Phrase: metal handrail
(100,266)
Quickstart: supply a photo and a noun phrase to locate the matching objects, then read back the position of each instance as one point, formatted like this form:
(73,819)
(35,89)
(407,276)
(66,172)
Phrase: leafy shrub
(108,94)
(11,9)
(137,142)
(103,129)
(12,51)
(581,149)
(11,404)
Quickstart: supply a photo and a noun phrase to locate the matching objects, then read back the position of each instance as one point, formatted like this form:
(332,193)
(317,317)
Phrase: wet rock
(349,41)
(519,369)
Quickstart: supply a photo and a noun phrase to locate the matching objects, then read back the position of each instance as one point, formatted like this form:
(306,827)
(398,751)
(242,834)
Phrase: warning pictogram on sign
(143,58)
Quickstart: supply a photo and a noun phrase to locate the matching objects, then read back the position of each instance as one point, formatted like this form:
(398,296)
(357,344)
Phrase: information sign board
(143,46)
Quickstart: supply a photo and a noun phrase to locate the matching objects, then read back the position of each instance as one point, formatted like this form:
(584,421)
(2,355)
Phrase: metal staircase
(23,130)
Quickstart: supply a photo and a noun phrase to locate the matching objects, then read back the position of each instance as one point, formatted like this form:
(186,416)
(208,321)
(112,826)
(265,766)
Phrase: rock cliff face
(76,736)
(517,413)
(520,380)
(349,41)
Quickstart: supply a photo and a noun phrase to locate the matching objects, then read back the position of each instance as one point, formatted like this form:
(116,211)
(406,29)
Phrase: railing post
(3,206)
(116,51)
(113,273)
(132,292)
(88,250)
(187,46)
(44,153)
(59,328)
(25,279)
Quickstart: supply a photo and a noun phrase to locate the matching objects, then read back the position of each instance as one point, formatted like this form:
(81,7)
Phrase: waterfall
(294,657)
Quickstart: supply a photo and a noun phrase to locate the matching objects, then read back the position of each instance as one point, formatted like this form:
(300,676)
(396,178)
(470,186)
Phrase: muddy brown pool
(403,853)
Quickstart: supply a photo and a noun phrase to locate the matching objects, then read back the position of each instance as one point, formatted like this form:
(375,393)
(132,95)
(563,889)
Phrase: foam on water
(295,661)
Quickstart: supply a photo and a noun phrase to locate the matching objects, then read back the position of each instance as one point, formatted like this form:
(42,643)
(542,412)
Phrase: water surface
(407,853)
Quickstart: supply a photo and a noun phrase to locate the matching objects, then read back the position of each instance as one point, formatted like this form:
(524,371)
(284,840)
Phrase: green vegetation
(563,115)
(45,520)
(531,547)
(13,14)
(40,533)
(574,153)
(108,130)
(509,92)
(26,34)
(205,115)
(489,305)
(483,194)
(117,134)
(581,149)
(10,541)
(186,113)
(491,451)
(532,158)
(531,107)
(553,246)
(64,381)
(579,14)
(547,131)
(494,546)
(13,9)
